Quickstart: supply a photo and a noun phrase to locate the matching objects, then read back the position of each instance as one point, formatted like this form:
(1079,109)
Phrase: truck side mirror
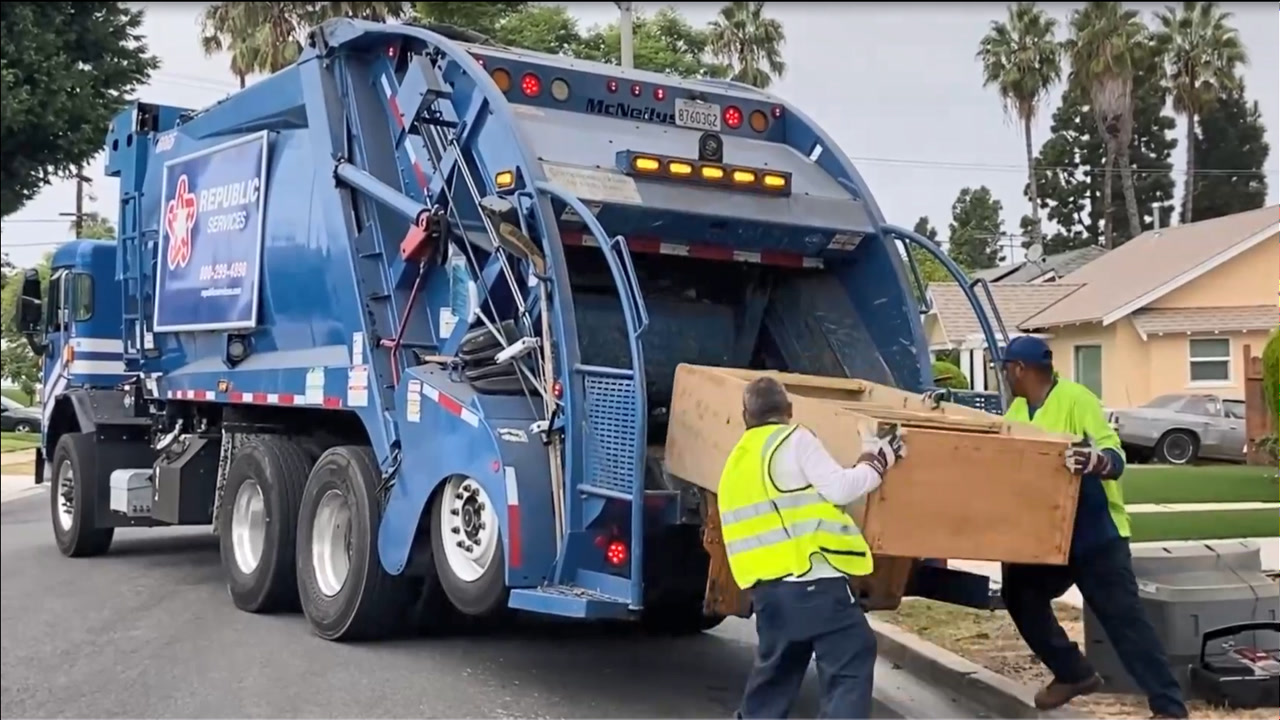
(28,312)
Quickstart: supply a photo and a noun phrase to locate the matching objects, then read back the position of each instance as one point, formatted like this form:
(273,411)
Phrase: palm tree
(1105,45)
(1021,58)
(1202,52)
(224,26)
(267,36)
(751,43)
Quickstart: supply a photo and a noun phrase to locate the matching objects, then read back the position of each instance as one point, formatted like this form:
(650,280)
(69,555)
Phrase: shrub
(1271,374)
(946,375)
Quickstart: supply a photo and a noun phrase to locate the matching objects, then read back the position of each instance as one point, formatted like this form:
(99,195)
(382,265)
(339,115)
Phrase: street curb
(1004,697)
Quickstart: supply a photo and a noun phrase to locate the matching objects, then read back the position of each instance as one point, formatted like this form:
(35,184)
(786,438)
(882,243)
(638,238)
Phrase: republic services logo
(179,221)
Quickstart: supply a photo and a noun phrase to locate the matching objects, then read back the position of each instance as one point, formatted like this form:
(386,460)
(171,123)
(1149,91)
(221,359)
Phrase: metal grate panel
(984,401)
(613,433)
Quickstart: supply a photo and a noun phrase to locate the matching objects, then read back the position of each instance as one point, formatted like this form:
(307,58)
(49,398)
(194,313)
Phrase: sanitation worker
(790,542)
(1099,563)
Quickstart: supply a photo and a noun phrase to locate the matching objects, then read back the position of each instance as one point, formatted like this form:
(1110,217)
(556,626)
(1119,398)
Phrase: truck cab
(72,323)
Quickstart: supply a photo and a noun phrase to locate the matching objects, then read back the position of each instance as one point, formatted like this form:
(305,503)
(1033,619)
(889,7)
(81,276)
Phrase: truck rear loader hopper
(402,321)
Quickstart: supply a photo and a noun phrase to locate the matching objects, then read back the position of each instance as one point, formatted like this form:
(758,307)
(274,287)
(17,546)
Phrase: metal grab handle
(991,302)
(618,246)
(983,321)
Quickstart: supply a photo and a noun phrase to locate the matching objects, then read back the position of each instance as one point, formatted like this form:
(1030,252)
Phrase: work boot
(1057,693)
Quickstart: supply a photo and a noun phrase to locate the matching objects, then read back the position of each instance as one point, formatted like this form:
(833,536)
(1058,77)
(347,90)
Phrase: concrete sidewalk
(16,487)
(17,457)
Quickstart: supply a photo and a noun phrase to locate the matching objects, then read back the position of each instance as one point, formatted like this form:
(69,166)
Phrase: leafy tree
(931,270)
(975,230)
(16,360)
(1072,166)
(66,68)
(266,37)
(1231,136)
(1022,60)
(1107,42)
(482,17)
(95,227)
(1202,51)
(749,42)
(664,43)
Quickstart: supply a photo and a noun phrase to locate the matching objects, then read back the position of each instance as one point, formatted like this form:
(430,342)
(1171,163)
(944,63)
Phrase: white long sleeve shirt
(802,461)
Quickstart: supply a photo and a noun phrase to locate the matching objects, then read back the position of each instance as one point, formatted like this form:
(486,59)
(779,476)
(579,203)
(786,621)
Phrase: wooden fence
(1258,423)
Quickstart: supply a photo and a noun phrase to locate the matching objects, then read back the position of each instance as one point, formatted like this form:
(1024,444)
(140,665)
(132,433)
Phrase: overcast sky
(895,84)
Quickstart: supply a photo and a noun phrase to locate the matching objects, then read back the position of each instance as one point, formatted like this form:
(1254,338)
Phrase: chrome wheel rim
(470,528)
(65,495)
(331,542)
(248,526)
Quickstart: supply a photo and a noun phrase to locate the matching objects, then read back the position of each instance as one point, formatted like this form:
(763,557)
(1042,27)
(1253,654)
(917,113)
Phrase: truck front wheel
(346,594)
(73,500)
(466,544)
(256,523)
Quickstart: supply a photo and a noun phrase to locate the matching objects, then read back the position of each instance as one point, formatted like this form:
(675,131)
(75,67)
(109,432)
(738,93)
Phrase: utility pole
(625,34)
(79,219)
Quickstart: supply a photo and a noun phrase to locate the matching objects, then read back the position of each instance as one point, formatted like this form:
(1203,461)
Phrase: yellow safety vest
(770,534)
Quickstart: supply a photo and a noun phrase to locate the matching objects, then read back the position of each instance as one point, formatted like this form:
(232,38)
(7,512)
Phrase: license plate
(698,115)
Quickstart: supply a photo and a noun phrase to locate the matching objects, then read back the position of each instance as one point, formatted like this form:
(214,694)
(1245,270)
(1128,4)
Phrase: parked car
(16,417)
(1178,429)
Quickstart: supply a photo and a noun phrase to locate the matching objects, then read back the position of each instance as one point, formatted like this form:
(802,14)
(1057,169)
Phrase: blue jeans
(1108,586)
(796,621)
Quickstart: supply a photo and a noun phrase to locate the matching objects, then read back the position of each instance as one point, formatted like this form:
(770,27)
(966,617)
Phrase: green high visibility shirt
(1073,409)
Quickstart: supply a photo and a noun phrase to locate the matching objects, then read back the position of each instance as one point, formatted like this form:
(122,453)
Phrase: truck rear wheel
(257,520)
(346,593)
(73,500)
(466,544)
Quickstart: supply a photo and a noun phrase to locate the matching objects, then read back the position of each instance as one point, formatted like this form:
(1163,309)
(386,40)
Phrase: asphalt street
(148,631)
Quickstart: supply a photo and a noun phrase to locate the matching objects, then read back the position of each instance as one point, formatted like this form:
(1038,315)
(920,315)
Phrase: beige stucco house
(1169,311)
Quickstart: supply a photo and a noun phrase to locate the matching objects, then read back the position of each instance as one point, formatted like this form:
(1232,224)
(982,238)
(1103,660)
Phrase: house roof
(1016,301)
(1154,264)
(1160,321)
(1059,264)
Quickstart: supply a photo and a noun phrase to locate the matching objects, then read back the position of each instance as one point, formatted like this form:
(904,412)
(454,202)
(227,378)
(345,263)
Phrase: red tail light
(530,85)
(733,117)
(616,554)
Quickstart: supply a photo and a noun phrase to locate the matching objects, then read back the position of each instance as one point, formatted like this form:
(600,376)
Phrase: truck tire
(257,521)
(73,499)
(1177,447)
(471,562)
(346,594)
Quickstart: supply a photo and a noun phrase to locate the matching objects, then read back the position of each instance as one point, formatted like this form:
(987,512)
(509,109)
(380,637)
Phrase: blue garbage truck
(400,322)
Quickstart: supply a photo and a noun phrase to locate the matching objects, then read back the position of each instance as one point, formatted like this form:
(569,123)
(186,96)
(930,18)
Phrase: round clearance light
(758,121)
(636,90)
(612,86)
(530,85)
(659,94)
(501,78)
(733,117)
(560,89)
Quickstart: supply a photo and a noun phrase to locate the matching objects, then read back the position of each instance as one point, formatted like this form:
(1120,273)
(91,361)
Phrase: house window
(1088,367)
(1210,359)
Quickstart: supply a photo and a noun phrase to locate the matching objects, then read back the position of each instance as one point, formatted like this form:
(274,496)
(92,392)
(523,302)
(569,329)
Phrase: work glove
(1084,459)
(933,399)
(882,450)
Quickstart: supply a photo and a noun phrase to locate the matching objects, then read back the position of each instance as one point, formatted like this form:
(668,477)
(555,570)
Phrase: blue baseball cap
(1028,350)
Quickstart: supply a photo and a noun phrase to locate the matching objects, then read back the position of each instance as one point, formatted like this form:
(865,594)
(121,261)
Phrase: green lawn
(16,395)
(10,442)
(1164,484)
(1204,524)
